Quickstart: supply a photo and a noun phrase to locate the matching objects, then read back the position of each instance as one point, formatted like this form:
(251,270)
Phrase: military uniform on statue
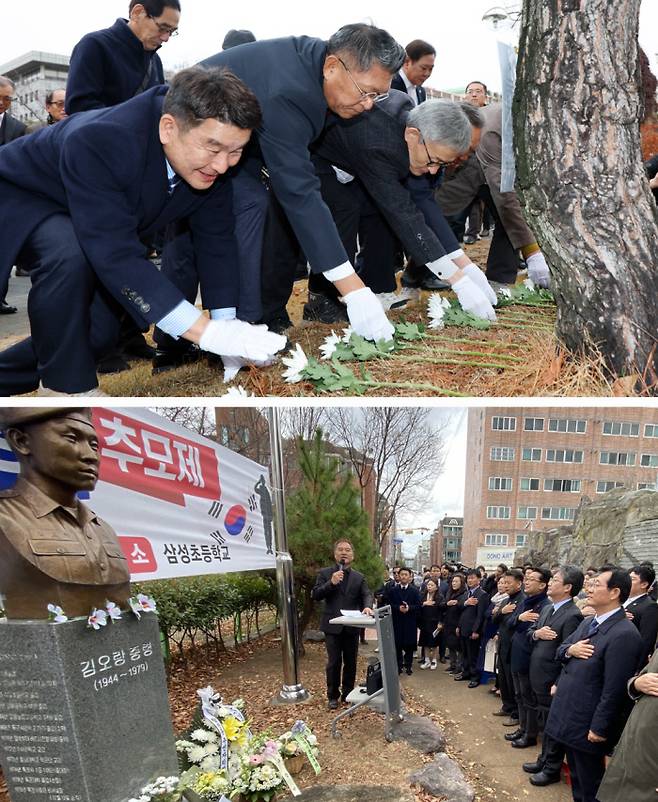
(341,587)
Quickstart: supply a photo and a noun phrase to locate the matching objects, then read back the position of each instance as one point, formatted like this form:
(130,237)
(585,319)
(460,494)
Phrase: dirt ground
(254,672)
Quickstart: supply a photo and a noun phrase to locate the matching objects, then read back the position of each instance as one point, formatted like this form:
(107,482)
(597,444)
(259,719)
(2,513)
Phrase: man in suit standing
(404,599)
(77,201)
(556,623)
(10,129)
(590,706)
(341,588)
(506,619)
(417,68)
(642,610)
(471,624)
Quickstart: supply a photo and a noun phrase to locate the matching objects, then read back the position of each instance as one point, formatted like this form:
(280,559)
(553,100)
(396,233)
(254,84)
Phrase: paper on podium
(353,618)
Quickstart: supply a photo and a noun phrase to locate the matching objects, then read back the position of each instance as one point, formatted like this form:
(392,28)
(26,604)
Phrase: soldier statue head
(53,548)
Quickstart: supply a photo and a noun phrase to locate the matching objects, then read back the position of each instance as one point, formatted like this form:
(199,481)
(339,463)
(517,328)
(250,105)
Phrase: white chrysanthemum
(436,307)
(347,333)
(505,292)
(329,345)
(201,735)
(196,754)
(211,748)
(239,392)
(210,763)
(295,363)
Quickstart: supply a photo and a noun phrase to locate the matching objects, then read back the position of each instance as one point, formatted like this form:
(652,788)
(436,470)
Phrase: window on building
(567,425)
(224,435)
(558,513)
(499,512)
(495,540)
(500,483)
(563,455)
(617,458)
(527,513)
(562,485)
(500,424)
(623,428)
(649,460)
(646,485)
(502,454)
(651,429)
(603,485)
(533,425)
(521,540)
(531,455)
(529,484)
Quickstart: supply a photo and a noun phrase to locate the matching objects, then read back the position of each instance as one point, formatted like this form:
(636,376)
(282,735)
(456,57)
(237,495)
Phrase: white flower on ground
(97,619)
(329,345)
(529,283)
(347,333)
(238,392)
(296,363)
(436,307)
(113,611)
(57,614)
(505,292)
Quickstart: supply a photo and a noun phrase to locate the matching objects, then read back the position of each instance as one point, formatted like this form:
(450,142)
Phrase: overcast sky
(466,48)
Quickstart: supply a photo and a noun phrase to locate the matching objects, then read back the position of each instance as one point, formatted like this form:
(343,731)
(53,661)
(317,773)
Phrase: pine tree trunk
(577,112)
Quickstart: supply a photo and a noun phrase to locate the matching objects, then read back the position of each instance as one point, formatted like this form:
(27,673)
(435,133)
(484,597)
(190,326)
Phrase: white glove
(366,315)
(538,270)
(237,338)
(233,364)
(480,280)
(472,299)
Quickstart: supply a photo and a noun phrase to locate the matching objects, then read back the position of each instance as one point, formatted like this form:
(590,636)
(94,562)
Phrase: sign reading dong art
(181,504)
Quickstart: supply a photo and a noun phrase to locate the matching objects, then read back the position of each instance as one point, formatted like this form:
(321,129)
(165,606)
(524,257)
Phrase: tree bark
(577,112)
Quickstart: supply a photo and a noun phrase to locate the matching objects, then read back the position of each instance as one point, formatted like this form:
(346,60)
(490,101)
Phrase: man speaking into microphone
(341,588)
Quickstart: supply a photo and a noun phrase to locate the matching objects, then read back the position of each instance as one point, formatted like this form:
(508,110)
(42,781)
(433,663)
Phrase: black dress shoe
(137,347)
(532,768)
(410,671)
(426,281)
(170,358)
(323,309)
(473,683)
(442,660)
(461,678)
(524,743)
(512,736)
(112,363)
(5,309)
(332,704)
(544,779)
(279,324)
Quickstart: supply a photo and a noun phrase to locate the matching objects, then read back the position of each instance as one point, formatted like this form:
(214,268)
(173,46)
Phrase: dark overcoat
(405,625)
(544,668)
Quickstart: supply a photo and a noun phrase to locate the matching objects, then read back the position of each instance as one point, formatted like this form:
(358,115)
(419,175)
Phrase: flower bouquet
(297,745)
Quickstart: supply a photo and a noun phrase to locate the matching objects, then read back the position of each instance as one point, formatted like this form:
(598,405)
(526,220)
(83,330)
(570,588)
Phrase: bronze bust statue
(53,548)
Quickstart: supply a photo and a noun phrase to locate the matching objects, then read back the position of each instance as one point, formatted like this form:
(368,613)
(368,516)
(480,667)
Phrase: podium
(382,621)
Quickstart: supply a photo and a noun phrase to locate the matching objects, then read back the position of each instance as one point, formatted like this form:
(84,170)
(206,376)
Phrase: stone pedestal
(84,715)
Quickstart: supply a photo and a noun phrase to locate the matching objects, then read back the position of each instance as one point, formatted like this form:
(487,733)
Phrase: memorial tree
(577,111)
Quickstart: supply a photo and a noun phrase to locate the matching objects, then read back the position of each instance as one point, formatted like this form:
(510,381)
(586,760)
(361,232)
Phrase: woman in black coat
(429,618)
(453,606)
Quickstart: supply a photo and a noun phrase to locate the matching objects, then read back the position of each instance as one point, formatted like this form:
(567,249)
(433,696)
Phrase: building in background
(446,543)
(528,468)
(35,74)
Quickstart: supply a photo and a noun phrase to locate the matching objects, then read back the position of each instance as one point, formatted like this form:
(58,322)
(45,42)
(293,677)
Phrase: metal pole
(292,689)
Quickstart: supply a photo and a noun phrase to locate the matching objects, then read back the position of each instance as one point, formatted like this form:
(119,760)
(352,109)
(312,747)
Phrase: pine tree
(326,507)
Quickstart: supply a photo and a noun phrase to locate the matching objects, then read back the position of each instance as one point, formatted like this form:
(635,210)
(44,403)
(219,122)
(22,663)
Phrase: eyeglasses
(162,28)
(376,97)
(433,162)
(59,103)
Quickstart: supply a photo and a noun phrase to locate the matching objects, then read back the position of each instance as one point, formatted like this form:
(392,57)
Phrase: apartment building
(528,469)
(35,74)
(447,540)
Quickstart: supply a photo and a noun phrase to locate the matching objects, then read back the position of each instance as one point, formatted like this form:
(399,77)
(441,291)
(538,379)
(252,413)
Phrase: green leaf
(456,316)
(408,331)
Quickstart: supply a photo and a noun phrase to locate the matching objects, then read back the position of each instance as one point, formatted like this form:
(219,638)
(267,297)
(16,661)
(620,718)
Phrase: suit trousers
(587,770)
(405,656)
(526,704)
(342,649)
(552,752)
(73,320)
(506,685)
(470,652)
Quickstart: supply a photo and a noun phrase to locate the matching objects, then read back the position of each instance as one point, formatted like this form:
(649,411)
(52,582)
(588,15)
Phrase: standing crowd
(571,654)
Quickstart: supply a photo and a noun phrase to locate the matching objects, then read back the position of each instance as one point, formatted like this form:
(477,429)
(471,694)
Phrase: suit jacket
(645,618)
(521,647)
(544,668)
(398,83)
(11,129)
(108,67)
(631,774)
(405,625)
(350,594)
(506,625)
(106,169)
(472,617)
(591,694)
(286,77)
(372,148)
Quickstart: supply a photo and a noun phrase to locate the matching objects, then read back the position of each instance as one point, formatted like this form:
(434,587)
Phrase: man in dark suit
(395,153)
(340,587)
(555,624)
(10,129)
(471,624)
(417,68)
(642,610)
(297,80)
(114,64)
(404,599)
(506,619)
(78,200)
(590,706)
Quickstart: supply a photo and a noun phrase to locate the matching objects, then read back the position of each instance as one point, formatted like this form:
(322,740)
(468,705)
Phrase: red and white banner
(181,504)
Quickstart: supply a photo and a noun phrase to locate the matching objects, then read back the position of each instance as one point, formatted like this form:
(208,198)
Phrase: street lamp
(502,17)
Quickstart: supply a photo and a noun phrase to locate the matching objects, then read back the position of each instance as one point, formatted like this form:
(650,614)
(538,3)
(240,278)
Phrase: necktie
(419,94)
(593,627)
(173,183)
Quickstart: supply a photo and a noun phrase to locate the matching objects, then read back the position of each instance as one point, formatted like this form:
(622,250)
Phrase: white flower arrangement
(295,364)
(162,789)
